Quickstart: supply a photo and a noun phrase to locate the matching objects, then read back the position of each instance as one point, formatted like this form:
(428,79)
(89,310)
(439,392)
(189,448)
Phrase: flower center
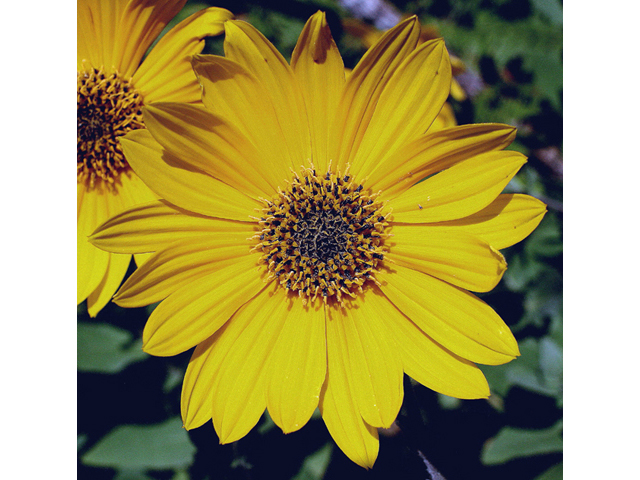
(108,107)
(323,236)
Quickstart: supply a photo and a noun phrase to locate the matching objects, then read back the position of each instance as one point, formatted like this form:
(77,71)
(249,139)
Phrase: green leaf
(141,447)
(554,473)
(546,239)
(315,465)
(103,348)
(513,443)
(550,9)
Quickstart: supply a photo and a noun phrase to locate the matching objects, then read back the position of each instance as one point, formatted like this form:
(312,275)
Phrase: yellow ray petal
(357,439)
(297,366)
(509,219)
(153,226)
(463,189)
(118,265)
(210,144)
(196,399)
(245,45)
(408,105)
(195,311)
(92,262)
(239,388)
(166,74)
(235,94)
(180,184)
(364,86)
(453,317)
(434,152)
(318,66)
(455,257)
(428,362)
(356,335)
(97,30)
(182,263)
(137,28)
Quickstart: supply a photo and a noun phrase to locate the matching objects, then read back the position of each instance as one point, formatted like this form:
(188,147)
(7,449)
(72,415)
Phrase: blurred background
(507,62)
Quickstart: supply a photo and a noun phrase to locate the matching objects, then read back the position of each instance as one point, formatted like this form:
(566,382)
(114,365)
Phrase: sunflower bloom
(297,249)
(113,86)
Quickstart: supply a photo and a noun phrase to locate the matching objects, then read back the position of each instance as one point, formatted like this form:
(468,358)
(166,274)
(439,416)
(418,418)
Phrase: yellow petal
(357,439)
(177,182)
(208,143)
(245,45)
(318,66)
(509,219)
(98,23)
(92,262)
(196,401)
(239,388)
(408,105)
(455,257)
(166,74)
(428,362)
(434,152)
(233,93)
(195,311)
(463,189)
(364,86)
(118,265)
(358,337)
(297,366)
(453,317)
(153,226)
(137,27)
(180,264)
(432,365)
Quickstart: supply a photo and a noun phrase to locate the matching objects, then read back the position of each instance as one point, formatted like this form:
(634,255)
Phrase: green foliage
(513,443)
(104,348)
(142,447)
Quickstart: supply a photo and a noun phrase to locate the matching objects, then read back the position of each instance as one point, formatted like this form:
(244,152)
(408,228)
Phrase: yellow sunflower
(296,247)
(113,85)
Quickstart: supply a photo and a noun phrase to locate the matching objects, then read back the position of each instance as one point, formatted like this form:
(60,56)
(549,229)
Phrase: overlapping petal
(455,257)
(509,219)
(453,317)
(434,152)
(297,366)
(137,27)
(248,47)
(92,263)
(408,105)
(319,69)
(166,74)
(358,337)
(208,143)
(181,184)
(195,311)
(235,94)
(180,264)
(365,85)
(461,190)
(150,227)
(428,362)
(239,387)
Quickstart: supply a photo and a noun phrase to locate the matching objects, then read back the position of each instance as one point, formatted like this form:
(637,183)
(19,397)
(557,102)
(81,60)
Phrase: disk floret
(322,237)
(108,107)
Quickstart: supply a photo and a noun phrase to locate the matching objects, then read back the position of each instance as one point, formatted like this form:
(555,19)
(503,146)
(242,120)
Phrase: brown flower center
(322,237)
(108,107)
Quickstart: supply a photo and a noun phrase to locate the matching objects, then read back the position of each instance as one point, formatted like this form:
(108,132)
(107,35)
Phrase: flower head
(113,86)
(299,247)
